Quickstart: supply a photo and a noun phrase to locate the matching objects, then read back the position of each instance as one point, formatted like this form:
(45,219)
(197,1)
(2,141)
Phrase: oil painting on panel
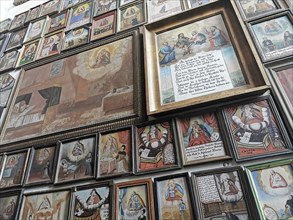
(76,160)
(4,25)
(9,205)
(76,37)
(158,9)
(255,130)
(103,26)
(33,13)
(50,205)
(8,60)
(80,15)
(197,59)
(41,166)
(93,203)
(35,30)
(71,3)
(74,92)
(28,53)
(198,3)
(115,150)
(285,78)
(103,6)
(16,39)
(131,16)
(49,7)
(50,45)
(18,20)
(57,22)
(274,189)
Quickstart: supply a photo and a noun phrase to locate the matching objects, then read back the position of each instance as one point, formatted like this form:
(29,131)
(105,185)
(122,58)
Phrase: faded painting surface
(87,88)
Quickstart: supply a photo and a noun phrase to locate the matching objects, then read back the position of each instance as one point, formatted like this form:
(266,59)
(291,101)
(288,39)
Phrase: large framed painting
(92,202)
(134,200)
(255,8)
(201,138)
(18,21)
(74,92)
(8,82)
(155,147)
(50,45)
(9,204)
(41,166)
(33,14)
(80,15)
(76,160)
(173,198)
(16,39)
(28,53)
(14,168)
(45,205)
(115,153)
(196,59)
(76,37)
(273,36)
(272,185)
(223,194)
(256,129)
(8,60)
(50,7)
(4,25)
(103,6)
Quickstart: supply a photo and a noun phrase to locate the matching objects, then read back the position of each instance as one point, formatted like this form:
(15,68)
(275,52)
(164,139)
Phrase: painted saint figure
(166,54)
(217,37)
(277,180)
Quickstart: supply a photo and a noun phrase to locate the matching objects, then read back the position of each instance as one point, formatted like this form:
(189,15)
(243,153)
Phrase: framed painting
(41,167)
(155,147)
(4,38)
(255,129)
(201,138)
(16,39)
(80,15)
(4,25)
(126,2)
(50,7)
(257,8)
(18,21)
(222,194)
(76,37)
(8,60)
(92,202)
(33,14)
(134,200)
(198,3)
(103,25)
(115,153)
(196,59)
(57,22)
(77,94)
(70,3)
(272,185)
(173,198)
(50,45)
(273,36)
(158,9)
(9,204)
(45,205)
(103,6)
(28,53)
(35,29)
(14,168)
(132,16)
(76,160)
(8,82)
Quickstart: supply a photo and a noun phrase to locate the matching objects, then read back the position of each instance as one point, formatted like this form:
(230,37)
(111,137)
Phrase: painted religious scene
(274,188)
(155,147)
(8,207)
(285,78)
(52,205)
(76,160)
(255,129)
(184,53)
(91,204)
(114,156)
(254,8)
(84,89)
(173,199)
(158,9)
(221,197)
(133,203)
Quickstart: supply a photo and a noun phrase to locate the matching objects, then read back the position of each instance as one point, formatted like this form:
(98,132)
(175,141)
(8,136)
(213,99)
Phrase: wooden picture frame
(42,165)
(222,193)
(36,29)
(138,191)
(161,9)
(76,37)
(66,4)
(28,53)
(76,160)
(18,21)
(33,13)
(102,7)
(8,60)
(56,22)
(112,105)
(155,147)
(201,138)
(173,197)
(16,39)
(50,7)
(52,204)
(103,25)
(80,15)
(115,153)
(4,25)
(164,39)
(50,45)
(15,164)
(4,38)
(92,201)
(273,36)
(197,3)
(132,16)
(257,9)
(256,129)
(9,204)
(271,183)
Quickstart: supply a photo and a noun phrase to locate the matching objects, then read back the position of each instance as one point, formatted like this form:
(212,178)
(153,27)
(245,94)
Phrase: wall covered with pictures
(147,109)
